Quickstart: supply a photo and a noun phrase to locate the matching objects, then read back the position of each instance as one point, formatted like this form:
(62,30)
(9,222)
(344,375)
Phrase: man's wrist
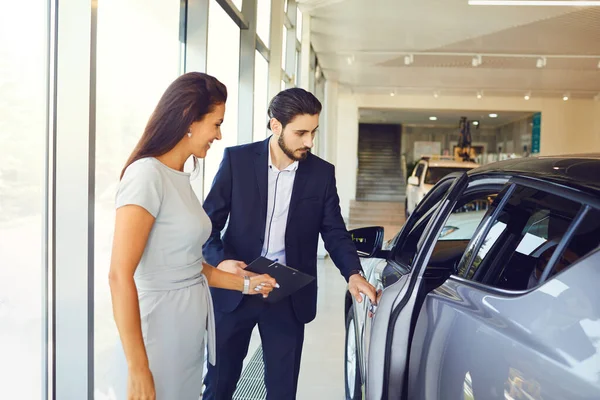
(358,272)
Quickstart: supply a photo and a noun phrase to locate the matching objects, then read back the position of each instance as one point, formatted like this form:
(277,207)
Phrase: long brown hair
(188,99)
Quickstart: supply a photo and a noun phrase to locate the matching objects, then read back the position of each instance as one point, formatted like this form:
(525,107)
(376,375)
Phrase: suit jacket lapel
(300,181)
(262,178)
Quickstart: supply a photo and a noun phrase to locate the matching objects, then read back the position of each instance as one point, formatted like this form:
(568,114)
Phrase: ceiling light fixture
(476,123)
(493,115)
(477,61)
(541,62)
(436,94)
(479,94)
(392,94)
(566,97)
(527,96)
(433,118)
(350,60)
(543,3)
(409,59)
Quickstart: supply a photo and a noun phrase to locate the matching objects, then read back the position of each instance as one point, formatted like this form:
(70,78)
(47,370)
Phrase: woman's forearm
(126,311)
(222,279)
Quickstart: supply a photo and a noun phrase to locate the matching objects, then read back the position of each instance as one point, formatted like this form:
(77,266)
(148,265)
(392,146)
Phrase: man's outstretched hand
(357,285)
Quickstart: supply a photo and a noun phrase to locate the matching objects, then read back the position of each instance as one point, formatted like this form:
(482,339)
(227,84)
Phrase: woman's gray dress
(175,303)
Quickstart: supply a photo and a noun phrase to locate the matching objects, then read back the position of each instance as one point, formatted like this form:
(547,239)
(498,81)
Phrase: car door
(391,323)
(491,331)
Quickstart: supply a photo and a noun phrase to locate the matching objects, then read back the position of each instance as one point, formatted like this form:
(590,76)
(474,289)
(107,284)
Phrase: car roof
(579,171)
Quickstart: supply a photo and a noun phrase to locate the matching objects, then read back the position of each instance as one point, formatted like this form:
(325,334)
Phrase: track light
(433,118)
(476,123)
(566,97)
(479,94)
(493,115)
(541,62)
(350,60)
(436,94)
(409,59)
(477,61)
(527,96)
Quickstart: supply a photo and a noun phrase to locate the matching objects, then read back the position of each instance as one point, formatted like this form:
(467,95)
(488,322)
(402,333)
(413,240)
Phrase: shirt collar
(291,168)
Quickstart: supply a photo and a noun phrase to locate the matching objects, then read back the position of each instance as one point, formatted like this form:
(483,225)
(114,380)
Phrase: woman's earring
(190,134)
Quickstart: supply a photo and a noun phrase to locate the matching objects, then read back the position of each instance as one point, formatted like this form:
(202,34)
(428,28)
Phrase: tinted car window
(419,170)
(522,238)
(434,174)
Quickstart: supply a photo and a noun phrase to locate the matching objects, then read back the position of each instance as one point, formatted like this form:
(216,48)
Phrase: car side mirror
(413,180)
(368,241)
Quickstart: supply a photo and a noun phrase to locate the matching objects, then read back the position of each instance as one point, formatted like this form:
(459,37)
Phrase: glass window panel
(261,83)
(129,85)
(297,77)
(238,4)
(23,63)
(263,21)
(223,62)
(299,24)
(284,51)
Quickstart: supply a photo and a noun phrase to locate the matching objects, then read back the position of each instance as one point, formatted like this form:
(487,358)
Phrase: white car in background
(428,172)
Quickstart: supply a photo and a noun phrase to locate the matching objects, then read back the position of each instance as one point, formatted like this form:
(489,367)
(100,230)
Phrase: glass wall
(263,21)
(23,87)
(261,83)
(134,67)
(223,62)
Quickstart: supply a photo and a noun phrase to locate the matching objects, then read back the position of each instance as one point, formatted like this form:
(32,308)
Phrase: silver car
(491,290)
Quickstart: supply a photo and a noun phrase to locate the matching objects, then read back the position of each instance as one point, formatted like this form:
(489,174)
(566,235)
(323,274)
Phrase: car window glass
(419,170)
(586,239)
(526,231)
(435,174)
(465,219)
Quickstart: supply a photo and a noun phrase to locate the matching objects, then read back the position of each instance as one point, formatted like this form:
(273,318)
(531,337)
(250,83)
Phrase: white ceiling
(362,44)
(445,118)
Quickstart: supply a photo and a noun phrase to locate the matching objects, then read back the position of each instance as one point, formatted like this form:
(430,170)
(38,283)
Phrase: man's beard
(289,152)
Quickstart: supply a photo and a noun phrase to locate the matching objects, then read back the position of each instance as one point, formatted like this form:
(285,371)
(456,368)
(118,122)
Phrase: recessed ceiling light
(392,94)
(541,62)
(436,94)
(565,97)
(493,115)
(479,94)
(559,3)
(433,118)
(477,61)
(527,96)
(475,123)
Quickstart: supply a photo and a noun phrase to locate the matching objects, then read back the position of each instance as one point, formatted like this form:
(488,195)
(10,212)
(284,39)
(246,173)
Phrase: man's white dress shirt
(279,192)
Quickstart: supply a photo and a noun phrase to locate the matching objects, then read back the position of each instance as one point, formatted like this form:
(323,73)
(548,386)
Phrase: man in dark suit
(278,197)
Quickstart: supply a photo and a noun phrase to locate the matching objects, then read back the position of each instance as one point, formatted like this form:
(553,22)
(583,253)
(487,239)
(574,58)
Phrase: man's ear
(276,127)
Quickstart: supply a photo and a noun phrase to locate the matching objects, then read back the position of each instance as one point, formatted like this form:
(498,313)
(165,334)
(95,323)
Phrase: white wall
(567,127)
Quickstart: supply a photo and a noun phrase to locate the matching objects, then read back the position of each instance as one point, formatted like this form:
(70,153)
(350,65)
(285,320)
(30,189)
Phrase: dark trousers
(282,337)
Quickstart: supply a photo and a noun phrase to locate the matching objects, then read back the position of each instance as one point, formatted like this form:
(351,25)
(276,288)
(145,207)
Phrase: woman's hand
(235,267)
(262,284)
(140,385)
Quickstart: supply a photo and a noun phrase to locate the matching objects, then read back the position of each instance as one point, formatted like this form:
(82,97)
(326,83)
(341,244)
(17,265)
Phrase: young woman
(158,278)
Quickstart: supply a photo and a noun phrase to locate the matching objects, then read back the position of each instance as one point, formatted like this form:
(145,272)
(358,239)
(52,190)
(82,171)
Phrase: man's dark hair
(290,103)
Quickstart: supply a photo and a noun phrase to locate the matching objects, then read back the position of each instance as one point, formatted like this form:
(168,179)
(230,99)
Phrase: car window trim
(487,227)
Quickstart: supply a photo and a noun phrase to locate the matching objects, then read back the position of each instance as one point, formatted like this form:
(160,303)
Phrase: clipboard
(289,279)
